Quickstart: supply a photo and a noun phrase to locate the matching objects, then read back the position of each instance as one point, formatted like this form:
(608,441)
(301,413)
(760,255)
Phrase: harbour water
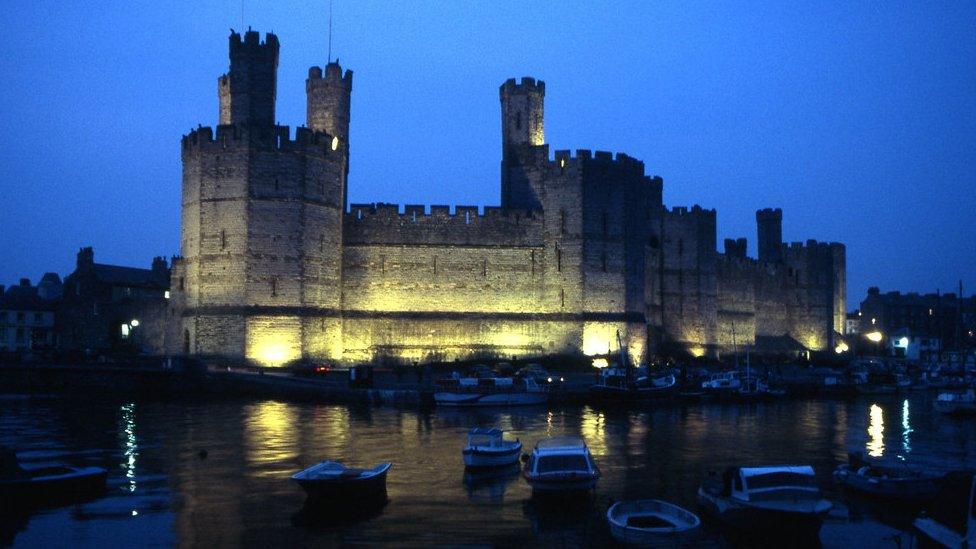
(216,473)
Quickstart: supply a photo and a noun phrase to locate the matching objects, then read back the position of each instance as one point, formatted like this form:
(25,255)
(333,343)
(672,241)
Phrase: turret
(247,92)
(769,224)
(522,113)
(328,100)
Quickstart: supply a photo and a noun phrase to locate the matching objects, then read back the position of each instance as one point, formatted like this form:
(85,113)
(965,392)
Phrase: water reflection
(270,432)
(490,484)
(593,429)
(875,445)
(906,429)
(130,447)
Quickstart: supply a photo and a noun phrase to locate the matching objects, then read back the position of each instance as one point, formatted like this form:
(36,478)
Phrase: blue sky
(858,119)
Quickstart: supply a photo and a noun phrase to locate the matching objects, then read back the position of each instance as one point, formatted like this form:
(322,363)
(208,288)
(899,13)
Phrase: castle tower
(522,136)
(260,275)
(247,92)
(522,113)
(769,224)
(328,100)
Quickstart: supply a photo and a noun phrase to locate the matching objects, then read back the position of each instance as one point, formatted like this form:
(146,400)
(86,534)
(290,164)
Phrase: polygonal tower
(329,99)
(769,226)
(523,129)
(260,274)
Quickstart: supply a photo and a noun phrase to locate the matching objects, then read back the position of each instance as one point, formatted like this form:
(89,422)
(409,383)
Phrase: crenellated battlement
(251,43)
(585,157)
(770,213)
(333,74)
(696,210)
(467,225)
(526,85)
(264,137)
(812,244)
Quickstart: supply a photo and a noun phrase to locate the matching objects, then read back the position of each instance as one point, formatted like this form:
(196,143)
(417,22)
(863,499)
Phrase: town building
(27,316)
(275,265)
(937,321)
(108,309)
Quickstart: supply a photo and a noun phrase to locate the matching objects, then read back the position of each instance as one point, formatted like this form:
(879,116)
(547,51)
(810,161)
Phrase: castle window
(223,239)
(559,259)
(532,260)
(467,218)
(182,286)
(484,268)
(335,143)
(321,243)
(562,221)
(562,298)
(276,184)
(274,287)
(435,264)
(518,120)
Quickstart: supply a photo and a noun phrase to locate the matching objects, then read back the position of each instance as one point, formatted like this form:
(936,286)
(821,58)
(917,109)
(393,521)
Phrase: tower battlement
(526,85)
(370,224)
(248,91)
(607,160)
(266,137)
(333,73)
(696,210)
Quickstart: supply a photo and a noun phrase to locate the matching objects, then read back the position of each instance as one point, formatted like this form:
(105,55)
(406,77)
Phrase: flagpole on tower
(330,31)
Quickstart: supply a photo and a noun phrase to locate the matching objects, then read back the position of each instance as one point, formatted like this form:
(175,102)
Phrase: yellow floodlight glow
(841,348)
(697,352)
(874,336)
(134,323)
(600,363)
(272,354)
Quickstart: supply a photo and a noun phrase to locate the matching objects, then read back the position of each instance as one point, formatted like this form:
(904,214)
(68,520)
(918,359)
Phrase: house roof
(778,344)
(24,298)
(129,276)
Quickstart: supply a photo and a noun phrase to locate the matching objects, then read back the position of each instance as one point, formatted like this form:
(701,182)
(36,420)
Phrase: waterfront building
(110,308)
(275,265)
(26,317)
(944,318)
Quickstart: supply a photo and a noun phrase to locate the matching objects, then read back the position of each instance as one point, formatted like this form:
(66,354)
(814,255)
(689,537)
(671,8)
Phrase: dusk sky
(858,119)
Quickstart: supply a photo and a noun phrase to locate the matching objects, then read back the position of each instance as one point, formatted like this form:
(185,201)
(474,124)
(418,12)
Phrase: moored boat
(498,391)
(651,522)
(560,465)
(950,520)
(46,485)
(953,402)
(617,385)
(334,482)
(897,484)
(488,448)
(723,384)
(767,501)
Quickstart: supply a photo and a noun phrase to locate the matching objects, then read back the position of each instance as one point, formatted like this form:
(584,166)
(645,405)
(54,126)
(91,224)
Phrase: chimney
(86,259)
(25,283)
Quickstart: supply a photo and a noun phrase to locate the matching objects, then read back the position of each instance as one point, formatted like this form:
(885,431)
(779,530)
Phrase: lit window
(166,294)
(335,143)
(125,331)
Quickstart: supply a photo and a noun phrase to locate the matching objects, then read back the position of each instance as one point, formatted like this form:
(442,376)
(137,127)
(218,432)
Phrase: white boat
(488,448)
(651,522)
(492,391)
(767,501)
(956,402)
(331,481)
(559,465)
(887,483)
(950,520)
(727,383)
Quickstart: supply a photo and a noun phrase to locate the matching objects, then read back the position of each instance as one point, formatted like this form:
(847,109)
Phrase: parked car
(312,369)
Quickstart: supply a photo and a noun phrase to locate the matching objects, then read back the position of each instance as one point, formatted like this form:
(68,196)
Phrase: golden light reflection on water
(875,445)
(271,436)
(906,429)
(593,429)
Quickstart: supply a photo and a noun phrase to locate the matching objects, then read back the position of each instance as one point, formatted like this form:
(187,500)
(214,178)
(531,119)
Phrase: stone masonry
(276,266)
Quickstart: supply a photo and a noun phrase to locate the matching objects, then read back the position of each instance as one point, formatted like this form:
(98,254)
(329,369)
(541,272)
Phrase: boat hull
(675,527)
(759,521)
(342,490)
(561,483)
(70,484)
(458,399)
(901,489)
(479,458)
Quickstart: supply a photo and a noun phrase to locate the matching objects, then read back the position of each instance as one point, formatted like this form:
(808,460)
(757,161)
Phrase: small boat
(888,483)
(949,521)
(488,448)
(615,384)
(559,465)
(491,391)
(767,501)
(956,403)
(333,481)
(652,522)
(46,485)
(723,384)
(878,384)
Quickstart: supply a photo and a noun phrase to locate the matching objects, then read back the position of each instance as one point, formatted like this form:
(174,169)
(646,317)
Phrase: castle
(275,265)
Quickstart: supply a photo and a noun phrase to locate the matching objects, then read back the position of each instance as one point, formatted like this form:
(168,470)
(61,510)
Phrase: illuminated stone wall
(690,285)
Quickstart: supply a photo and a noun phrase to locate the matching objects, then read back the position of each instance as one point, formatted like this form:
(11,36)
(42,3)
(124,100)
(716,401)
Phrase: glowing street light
(874,336)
